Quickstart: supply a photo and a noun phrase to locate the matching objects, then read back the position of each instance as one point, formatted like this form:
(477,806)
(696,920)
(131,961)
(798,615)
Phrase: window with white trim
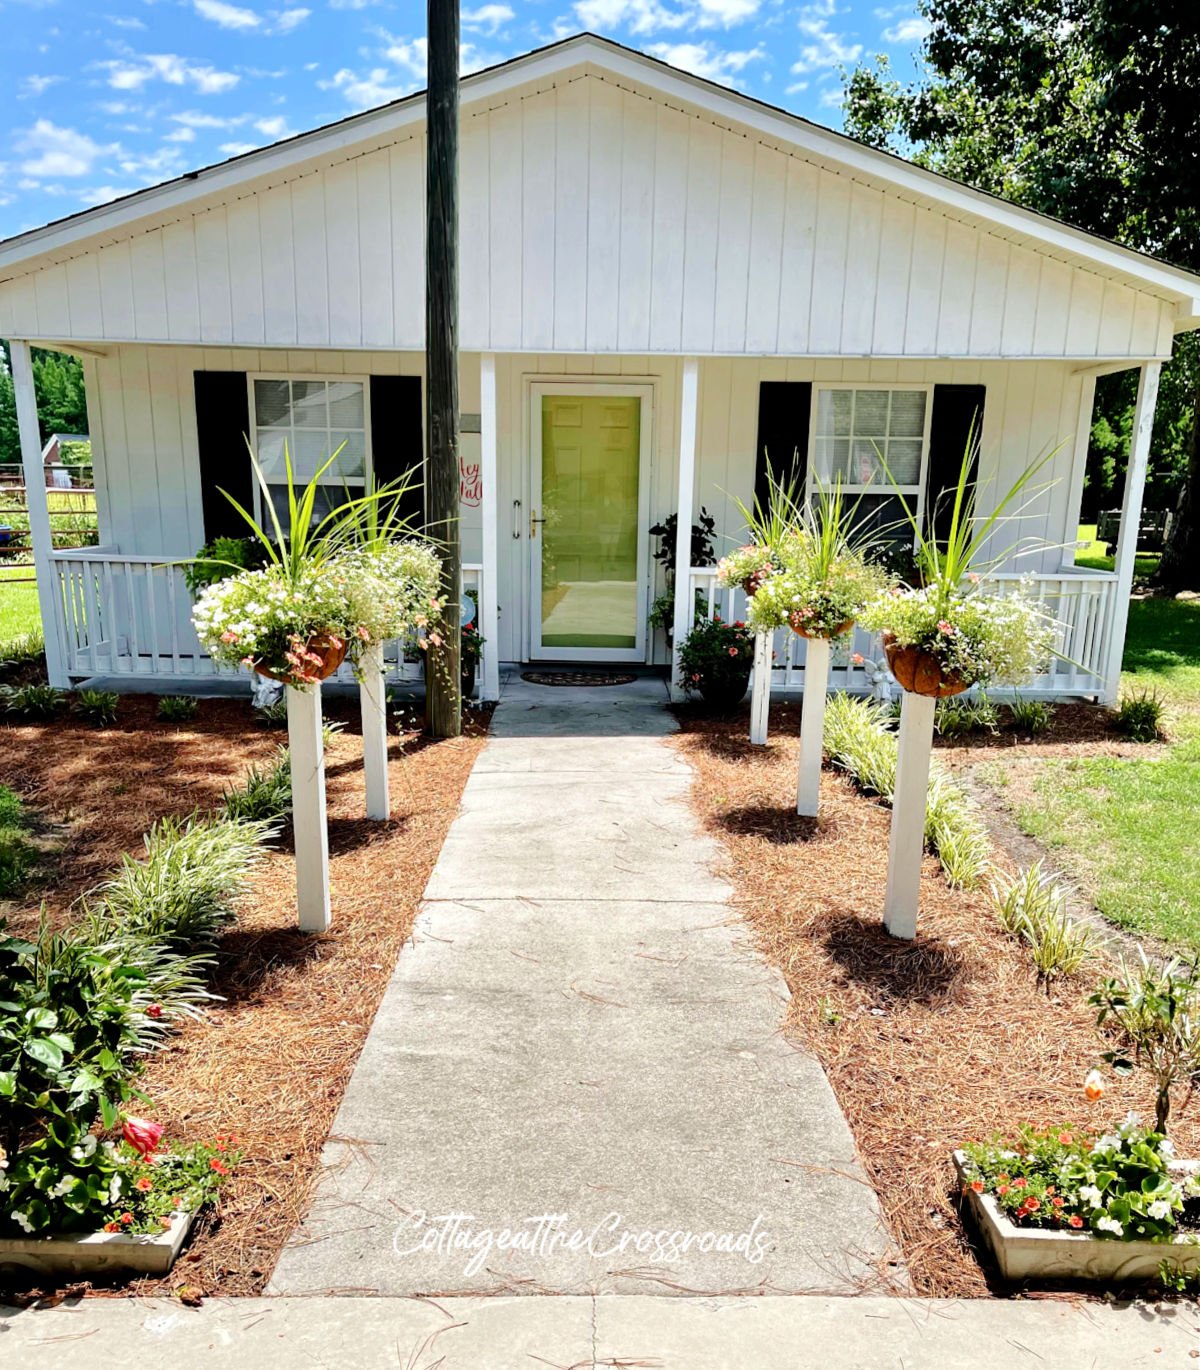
(313,418)
(856,430)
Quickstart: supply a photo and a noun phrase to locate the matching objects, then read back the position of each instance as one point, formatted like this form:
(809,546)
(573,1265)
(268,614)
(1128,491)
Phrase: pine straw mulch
(926,1044)
(269,1063)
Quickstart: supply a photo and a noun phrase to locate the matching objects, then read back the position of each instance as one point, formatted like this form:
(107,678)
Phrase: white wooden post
(812,726)
(684,503)
(489,609)
(309,826)
(760,695)
(1131,517)
(372,701)
(906,847)
(1083,435)
(39,515)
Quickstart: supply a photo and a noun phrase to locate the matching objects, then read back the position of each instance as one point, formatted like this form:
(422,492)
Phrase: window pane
(271,405)
(833,412)
(346,404)
(882,516)
(904,458)
(352,459)
(309,409)
(871,413)
(908,414)
(270,450)
(310,452)
(328,497)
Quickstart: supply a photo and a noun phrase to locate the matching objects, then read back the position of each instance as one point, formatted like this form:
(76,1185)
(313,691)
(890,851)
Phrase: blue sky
(105,98)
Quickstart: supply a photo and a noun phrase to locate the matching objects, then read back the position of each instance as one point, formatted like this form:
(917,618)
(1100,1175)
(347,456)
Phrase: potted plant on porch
(715,661)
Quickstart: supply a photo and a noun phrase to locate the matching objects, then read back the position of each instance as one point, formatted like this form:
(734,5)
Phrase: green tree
(1084,109)
(61,399)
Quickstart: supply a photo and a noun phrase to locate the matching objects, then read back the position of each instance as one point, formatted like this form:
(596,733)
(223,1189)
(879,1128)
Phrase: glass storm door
(587,532)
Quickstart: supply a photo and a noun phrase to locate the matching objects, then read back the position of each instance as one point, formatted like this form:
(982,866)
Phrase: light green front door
(588,567)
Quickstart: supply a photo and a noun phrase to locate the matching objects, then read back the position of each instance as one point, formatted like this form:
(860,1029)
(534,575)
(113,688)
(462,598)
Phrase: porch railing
(1081,603)
(124,615)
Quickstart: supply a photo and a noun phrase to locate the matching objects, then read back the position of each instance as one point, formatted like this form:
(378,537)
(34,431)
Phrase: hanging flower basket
(316,660)
(803,626)
(920,672)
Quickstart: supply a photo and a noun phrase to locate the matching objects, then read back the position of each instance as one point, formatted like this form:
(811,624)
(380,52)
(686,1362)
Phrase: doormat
(576,678)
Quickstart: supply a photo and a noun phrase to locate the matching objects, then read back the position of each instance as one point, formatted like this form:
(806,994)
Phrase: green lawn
(19,612)
(1094,557)
(1129,830)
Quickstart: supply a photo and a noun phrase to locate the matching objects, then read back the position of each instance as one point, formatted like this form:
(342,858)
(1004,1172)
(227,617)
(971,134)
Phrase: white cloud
(152,167)
(193,119)
(133,74)
(37,85)
(488,18)
(832,98)
(911,30)
(275,127)
(352,4)
(705,59)
(824,48)
(55,151)
(125,21)
(409,56)
(227,16)
(181,135)
(236,149)
(284,21)
(652,16)
(375,87)
(100,195)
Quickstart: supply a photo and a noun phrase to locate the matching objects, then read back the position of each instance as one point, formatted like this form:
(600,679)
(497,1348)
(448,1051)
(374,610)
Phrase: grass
(19,612)
(18,854)
(1094,556)
(1127,826)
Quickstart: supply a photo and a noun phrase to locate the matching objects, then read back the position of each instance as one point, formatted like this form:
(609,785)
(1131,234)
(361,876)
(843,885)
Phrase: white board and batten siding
(596,218)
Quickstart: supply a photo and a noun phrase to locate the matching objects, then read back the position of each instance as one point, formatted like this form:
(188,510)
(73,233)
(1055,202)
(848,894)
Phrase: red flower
(1075,1220)
(145,1184)
(1020,1182)
(1065,1138)
(112,1227)
(733,651)
(1032,1205)
(1057,1201)
(977,1186)
(126,1218)
(1002,1189)
(153,1010)
(142,1135)
(216,1165)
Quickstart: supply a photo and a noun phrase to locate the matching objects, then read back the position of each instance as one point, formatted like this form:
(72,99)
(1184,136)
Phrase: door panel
(587,544)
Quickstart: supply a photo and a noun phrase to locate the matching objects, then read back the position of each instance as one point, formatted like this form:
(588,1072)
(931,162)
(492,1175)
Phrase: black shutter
(782,453)
(957,420)
(398,439)
(222,426)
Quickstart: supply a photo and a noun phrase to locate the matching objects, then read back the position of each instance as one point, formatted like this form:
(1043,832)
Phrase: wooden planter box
(1032,1253)
(96,1255)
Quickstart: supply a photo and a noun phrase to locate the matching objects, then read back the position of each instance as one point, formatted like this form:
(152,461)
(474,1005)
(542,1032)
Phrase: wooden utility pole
(443,673)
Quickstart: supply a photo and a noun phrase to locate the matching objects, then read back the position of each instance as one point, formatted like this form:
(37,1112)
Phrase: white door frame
(584,388)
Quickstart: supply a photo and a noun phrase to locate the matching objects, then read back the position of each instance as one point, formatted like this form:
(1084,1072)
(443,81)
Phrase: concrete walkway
(579,1049)
(602,1333)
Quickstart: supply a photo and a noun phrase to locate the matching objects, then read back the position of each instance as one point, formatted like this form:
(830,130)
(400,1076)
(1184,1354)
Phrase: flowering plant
(393,588)
(750,566)
(1116,1185)
(112,1186)
(976,638)
(716,654)
(815,603)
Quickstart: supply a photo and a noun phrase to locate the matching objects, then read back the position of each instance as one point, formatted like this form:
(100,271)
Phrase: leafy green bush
(1139,717)
(265,795)
(18,855)
(859,740)
(273,715)
(32,701)
(185,889)
(1032,905)
(176,708)
(962,715)
(221,558)
(1031,716)
(23,650)
(98,707)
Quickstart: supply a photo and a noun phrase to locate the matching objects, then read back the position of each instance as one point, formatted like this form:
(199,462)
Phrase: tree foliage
(61,401)
(1084,109)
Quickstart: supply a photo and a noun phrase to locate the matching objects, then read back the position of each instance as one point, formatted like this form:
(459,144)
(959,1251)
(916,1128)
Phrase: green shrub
(98,707)
(1031,716)
(32,701)
(221,558)
(1139,717)
(18,855)
(176,708)
(23,650)
(1032,905)
(185,889)
(265,795)
(962,715)
(859,740)
(273,715)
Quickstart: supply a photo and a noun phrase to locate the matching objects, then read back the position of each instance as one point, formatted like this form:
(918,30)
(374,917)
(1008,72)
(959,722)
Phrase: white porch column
(760,693)
(372,703)
(310,830)
(684,505)
(39,515)
(812,726)
(906,844)
(489,611)
(1131,517)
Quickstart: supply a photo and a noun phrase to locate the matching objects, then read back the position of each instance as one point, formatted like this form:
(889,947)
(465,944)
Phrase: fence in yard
(73,520)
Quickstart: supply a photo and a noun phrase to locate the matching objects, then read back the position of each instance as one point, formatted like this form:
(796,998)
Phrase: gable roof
(591,52)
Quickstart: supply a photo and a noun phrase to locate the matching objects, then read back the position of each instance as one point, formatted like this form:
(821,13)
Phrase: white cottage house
(667,289)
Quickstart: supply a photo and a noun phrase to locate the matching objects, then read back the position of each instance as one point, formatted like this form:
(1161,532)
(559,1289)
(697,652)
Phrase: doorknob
(533,522)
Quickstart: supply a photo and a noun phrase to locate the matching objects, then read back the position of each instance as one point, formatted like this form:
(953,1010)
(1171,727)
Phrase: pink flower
(858,658)
(229,636)
(973,577)
(142,1135)
(947,628)
(733,651)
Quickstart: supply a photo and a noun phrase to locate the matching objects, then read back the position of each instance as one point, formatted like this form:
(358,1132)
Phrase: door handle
(516,532)
(533,522)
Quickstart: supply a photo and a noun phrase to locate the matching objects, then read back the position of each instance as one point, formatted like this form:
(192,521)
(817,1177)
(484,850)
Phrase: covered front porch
(674,433)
